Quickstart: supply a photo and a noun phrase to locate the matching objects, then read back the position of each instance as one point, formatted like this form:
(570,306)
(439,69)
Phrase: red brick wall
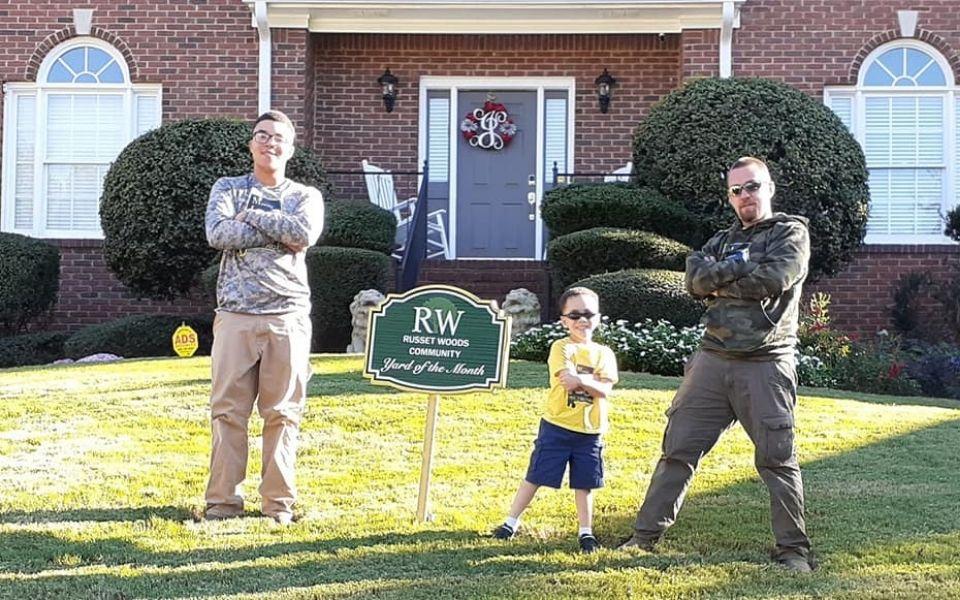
(862,295)
(351,123)
(205,56)
(90,294)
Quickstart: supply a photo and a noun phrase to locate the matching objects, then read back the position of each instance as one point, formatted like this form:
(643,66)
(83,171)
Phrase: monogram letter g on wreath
(488,128)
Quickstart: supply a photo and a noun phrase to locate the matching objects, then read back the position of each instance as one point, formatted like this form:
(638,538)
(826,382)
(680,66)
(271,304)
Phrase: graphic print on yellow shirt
(577,410)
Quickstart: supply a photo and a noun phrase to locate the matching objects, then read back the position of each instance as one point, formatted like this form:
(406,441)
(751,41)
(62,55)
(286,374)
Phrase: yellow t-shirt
(577,411)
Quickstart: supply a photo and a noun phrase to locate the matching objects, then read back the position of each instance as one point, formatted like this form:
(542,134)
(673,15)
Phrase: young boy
(582,373)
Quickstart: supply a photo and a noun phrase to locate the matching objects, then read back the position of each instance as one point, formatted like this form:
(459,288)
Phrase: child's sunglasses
(576,315)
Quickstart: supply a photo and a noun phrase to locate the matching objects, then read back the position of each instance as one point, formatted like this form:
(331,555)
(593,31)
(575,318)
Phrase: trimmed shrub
(587,205)
(603,249)
(336,275)
(951,227)
(29,280)
(638,294)
(32,348)
(355,224)
(138,336)
(155,196)
(688,140)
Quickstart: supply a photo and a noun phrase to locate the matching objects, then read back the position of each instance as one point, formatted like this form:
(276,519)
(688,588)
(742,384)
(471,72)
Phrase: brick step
(489,279)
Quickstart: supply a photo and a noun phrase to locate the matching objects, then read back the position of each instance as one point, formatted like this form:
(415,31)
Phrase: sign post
(436,339)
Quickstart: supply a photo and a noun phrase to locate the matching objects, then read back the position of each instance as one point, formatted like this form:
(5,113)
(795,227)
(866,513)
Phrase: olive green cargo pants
(715,393)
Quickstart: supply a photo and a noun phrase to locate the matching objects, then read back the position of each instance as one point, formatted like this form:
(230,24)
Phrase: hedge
(155,196)
(687,141)
(138,336)
(603,249)
(32,348)
(336,275)
(638,294)
(584,206)
(359,224)
(29,280)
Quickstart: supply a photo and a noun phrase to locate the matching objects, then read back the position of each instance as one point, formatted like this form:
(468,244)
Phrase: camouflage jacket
(751,280)
(259,272)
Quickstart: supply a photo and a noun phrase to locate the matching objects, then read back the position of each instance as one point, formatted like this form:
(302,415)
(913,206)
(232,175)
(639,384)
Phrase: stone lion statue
(523,307)
(360,309)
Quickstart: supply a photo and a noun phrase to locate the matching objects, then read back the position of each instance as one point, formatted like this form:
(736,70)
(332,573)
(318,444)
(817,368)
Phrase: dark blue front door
(495,218)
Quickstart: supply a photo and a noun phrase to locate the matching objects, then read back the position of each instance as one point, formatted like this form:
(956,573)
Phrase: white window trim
(454,85)
(949,92)
(41,90)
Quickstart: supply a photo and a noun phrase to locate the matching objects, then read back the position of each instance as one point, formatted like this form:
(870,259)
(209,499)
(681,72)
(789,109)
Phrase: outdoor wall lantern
(389,84)
(604,84)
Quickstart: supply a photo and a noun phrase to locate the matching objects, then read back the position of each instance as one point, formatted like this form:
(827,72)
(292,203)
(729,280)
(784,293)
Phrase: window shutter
(555,137)
(26,136)
(146,112)
(842,106)
(438,139)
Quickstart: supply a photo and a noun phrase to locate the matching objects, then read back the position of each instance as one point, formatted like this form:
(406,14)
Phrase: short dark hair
(749,161)
(277,116)
(575,291)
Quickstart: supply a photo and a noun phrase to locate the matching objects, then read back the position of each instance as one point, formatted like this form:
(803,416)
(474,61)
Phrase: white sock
(512,522)
(586,531)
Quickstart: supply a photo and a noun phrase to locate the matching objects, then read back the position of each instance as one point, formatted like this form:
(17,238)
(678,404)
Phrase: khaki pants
(262,359)
(715,393)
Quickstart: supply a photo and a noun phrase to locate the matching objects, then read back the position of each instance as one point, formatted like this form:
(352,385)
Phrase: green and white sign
(437,339)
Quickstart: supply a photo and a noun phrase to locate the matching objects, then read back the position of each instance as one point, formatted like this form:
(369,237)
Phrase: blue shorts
(555,447)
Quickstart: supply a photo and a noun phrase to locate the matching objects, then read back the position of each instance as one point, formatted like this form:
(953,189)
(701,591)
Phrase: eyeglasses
(262,137)
(751,187)
(577,315)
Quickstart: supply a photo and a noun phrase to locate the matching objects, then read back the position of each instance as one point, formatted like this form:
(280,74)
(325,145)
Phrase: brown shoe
(217,513)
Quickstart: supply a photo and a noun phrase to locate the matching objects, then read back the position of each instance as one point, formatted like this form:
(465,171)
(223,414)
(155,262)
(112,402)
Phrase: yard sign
(435,339)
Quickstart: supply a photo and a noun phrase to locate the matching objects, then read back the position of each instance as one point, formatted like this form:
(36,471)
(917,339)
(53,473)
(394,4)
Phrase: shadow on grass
(97,515)
(896,490)
(861,505)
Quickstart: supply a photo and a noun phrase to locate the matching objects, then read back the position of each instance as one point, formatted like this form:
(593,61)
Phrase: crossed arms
(228,229)
(782,265)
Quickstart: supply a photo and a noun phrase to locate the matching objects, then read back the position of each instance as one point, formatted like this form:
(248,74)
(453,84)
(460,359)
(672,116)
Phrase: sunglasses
(751,187)
(576,315)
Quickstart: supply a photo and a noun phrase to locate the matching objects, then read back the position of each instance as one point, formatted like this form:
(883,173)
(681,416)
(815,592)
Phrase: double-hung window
(904,112)
(62,133)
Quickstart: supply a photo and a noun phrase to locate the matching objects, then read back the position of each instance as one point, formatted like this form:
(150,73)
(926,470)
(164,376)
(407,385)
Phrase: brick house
(81,79)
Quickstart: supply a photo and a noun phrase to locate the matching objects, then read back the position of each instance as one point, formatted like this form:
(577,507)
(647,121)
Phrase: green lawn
(102,470)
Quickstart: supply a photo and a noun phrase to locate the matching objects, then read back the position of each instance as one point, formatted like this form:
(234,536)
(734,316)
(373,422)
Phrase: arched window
(904,113)
(63,132)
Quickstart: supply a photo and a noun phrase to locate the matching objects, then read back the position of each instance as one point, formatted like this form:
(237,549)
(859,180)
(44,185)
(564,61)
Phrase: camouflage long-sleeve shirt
(263,269)
(753,298)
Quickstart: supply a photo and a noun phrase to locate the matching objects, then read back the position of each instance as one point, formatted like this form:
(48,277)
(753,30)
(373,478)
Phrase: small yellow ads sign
(185,341)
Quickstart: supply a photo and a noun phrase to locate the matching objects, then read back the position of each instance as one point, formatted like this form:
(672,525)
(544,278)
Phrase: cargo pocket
(777,439)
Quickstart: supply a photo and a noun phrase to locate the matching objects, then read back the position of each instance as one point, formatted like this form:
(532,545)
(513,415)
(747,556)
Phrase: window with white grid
(61,135)
(904,112)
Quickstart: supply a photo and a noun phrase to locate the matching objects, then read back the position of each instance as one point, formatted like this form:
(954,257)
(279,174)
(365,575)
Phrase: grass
(103,467)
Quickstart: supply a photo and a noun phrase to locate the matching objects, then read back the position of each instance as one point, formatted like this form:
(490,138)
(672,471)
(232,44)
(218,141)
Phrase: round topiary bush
(29,280)
(32,348)
(638,294)
(587,205)
(355,224)
(336,275)
(155,196)
(603,249)
(138,336)
(688,140)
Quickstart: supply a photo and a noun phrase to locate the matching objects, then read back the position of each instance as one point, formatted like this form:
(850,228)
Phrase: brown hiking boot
(640,543)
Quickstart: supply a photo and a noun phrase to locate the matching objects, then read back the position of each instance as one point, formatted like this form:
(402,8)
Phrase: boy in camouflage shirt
(263,223)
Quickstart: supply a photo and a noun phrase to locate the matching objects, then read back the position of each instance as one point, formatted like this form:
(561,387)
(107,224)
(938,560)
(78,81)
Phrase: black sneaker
(588,543)
(503,532)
